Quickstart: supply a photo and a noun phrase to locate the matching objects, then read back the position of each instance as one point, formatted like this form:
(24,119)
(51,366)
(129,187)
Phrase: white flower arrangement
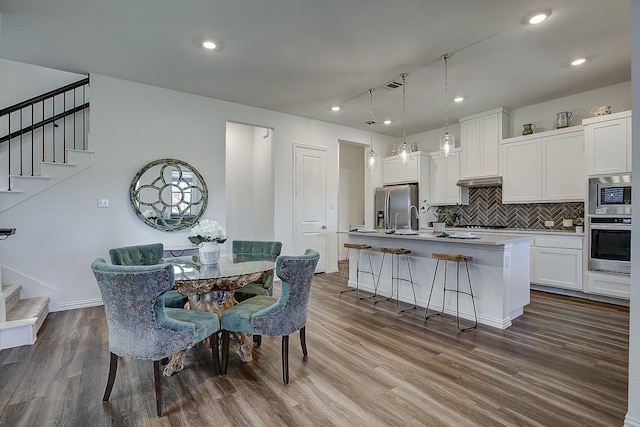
(207,231)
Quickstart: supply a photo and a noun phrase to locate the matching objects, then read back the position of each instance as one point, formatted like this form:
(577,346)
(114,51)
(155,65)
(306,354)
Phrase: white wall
(351,209)
(61,230)
(262,208)
(249,184)
(542,115)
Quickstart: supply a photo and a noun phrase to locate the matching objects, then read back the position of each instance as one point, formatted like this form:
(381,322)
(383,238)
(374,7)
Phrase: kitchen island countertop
(478,237)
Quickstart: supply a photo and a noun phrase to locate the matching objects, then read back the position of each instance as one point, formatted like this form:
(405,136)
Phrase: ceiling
(303,56)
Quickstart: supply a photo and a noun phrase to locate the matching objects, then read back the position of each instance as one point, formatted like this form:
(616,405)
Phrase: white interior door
(310,195)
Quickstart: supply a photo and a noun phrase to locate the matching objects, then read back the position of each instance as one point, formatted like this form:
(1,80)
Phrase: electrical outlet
(103,203)
(549,223)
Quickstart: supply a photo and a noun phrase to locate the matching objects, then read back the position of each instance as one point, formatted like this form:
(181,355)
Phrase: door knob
(324,227)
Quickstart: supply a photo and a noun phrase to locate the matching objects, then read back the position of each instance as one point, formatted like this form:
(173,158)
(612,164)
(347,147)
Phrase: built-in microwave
(610,195)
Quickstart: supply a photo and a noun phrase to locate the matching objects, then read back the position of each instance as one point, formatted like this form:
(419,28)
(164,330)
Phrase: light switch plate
(549,224)
(103,203)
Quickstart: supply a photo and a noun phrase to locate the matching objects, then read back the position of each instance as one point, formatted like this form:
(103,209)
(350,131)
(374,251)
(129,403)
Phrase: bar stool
(457,259)
(359,247)
(395,277)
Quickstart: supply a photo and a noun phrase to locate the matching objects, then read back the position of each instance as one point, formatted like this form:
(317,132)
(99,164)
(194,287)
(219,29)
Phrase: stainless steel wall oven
(610,244)
(609,224)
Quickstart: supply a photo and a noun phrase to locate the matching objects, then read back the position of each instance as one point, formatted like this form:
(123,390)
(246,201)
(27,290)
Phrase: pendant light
(447,141)
(372,157)
(404,149)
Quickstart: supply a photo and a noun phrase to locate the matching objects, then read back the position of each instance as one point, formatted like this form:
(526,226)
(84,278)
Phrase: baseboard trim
(580,294)
(79,304)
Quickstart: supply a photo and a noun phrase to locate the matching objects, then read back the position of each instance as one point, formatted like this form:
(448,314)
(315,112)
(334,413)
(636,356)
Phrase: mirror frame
(168,215)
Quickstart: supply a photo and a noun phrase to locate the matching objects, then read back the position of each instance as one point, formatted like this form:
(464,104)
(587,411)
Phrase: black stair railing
(44,128)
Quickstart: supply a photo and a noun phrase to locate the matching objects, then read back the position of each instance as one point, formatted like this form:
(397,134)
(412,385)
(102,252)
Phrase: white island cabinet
(499,272)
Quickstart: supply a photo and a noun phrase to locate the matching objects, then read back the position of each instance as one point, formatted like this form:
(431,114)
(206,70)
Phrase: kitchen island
(499,271)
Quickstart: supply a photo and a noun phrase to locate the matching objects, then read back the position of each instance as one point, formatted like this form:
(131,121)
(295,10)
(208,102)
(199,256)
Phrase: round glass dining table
(209,287)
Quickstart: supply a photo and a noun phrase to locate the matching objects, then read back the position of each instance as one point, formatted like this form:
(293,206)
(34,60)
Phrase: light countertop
(476,238)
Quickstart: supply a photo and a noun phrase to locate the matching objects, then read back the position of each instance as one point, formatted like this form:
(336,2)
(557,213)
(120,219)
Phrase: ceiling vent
(393,84)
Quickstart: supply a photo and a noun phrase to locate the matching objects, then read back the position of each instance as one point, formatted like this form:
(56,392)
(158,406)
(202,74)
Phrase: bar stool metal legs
(457,259)
(359,248)
(395,275)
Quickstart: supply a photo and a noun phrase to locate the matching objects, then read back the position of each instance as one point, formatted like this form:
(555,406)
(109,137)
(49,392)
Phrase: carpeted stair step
(11,295)
(37,307)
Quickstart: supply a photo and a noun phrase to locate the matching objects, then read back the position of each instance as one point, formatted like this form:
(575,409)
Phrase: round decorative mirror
(168,195)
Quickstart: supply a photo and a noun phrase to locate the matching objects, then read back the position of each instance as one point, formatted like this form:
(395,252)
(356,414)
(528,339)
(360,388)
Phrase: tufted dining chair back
(141,326)
(137,255)
(263,315)
(255,250)
(150,254)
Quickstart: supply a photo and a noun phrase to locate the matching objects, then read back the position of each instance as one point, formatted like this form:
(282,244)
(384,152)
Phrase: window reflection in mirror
(168,194)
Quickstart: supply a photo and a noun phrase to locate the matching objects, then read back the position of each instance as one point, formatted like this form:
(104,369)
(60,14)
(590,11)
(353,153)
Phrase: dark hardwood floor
(563,363)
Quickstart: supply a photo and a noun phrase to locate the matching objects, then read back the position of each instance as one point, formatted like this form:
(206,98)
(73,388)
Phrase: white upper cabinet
(608,144)
(480,137)
(395,171)
(521,171)
(416,169)
(563,172)
(445,173)
(544,167)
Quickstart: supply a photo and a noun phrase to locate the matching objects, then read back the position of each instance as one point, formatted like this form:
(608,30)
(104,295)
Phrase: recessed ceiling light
(335,108)
(208,44)
(538,17)
(458,99)
(578,61)
(387,122)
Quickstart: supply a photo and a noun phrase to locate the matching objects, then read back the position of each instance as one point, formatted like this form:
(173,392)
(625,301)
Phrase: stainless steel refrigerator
(393,207)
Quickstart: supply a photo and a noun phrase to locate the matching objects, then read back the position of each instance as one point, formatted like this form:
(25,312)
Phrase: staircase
(43,141)
(24,317)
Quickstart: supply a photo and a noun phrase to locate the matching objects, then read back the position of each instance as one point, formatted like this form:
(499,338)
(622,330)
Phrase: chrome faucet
(395,221)
(417,216)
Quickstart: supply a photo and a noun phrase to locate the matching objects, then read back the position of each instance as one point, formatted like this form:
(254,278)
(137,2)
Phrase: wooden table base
(213,302)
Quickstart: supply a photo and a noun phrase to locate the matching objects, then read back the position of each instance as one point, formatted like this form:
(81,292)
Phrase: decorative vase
(209,252)
(209,271)
(563,119)
(528,128)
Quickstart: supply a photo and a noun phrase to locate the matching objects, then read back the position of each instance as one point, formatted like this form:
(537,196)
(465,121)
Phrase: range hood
(485,181)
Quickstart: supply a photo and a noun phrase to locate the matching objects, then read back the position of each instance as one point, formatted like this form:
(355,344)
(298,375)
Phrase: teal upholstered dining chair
(253,250)
(150,254)
(264,315)
(141,326)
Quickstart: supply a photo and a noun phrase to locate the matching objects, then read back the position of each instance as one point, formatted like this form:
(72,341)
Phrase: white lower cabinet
(558,261)
(612,285)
